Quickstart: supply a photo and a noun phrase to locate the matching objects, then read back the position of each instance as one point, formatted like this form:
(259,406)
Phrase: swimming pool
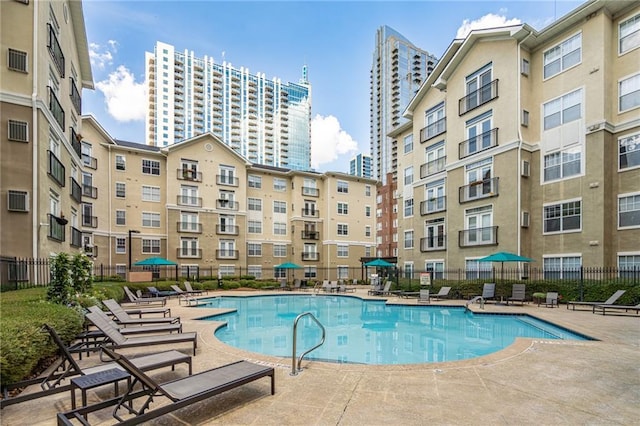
(371,332)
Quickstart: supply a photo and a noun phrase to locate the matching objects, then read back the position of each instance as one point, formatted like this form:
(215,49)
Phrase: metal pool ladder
(475,299)
(294,370)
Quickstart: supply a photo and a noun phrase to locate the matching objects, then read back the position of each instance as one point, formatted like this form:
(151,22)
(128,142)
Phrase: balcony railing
(479,189)
(56,109)
(433,205)
(56,169)
(76,100)
(487,236)
(187,200)
(89,191)
(227,229)
(76,190)
(90,221)
(76,237)
(193,227)
(311,256)
(227,180)
(56,228)
(310,213)
(189,252)
(310,191)
(89,161)
(437,242)
(227,254)
(75,143)
(227,204)
(55,50)
(433,167)
(433,130)
(189,174)
(478,97)
(478,143)
(310,235)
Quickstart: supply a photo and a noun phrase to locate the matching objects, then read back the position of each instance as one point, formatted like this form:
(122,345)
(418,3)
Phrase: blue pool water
(371,332)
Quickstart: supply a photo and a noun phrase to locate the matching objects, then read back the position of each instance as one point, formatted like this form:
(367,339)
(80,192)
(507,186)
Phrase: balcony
(89,191)
(76,100)
(225,204)
(478,97)
(311,213)
(55,50)
(75,142)
(76,237)
(56,108)
(310,235)
(478,190)
(478,143)
(433,205)
(56,228)
(227,180)
(90,221)
(432,130)
(189,174)
(188,253)
(192,227)
(433,167)
(187,200)
(227,230)
(310,191)
(76,190)
(434,243)
(487,236)
(222,254)
(89,161)
(311,256)
(56,169)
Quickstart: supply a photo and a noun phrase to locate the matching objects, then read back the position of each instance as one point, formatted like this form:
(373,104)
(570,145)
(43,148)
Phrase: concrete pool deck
(530,382)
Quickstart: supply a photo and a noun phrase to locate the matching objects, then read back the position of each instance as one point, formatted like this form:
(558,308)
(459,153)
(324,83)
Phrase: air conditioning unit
(524,221)
(526,169)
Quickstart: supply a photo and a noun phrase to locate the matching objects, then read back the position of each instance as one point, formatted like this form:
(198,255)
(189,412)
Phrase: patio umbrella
(155,261)
(380,263)
(288,265)
(503,256)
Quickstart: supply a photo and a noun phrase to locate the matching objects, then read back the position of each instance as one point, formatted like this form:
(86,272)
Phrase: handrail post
(294,370)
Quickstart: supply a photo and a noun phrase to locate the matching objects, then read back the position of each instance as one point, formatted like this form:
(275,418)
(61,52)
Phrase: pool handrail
(294,371)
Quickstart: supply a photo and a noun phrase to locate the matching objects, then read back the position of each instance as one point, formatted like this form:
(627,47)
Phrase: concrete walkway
(537,382)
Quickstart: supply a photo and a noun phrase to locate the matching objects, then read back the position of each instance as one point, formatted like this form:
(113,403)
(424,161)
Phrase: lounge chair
(140,329)
(552,299)
(423,297)
(344,289)
(610,301)
(443,293)
(143,300)
(180,393)
(384,291)
(191,290)
(625,308)
(116,340)
(518,294)
(489,291)
(184,295)
(66,367)
(154,292)
(124,318)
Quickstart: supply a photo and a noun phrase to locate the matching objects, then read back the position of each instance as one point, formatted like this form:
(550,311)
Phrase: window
(343,208)
(408,175)
(254,227)
(436,268)
(151,167)
(478,87)
(343,229)
(629,93)
(367,190)
(343,187)
(629,211)
(435,122)
(525,67)
(279,184)
(434,197)
(557,267)
(254,249)
(367,211)
(408,207)
(17,60)
(477,269)
(436,159)
(563,110)
(18,131)
(151,193)
(628,265)
(629,151)
(279,228)
(255,181)
(564,164)
(121,162)
(17,201)
(121,217)
(227,175)
(150,246)
(121,245)
(562,217)
(367,231)
(121,190)
(408,239)
(434,235)
(279,207)
(563,56)
(342,250)
(279,250)
(629,34)
(479,230)
(255,271)
(151,220)
(408,143)
(479,135)
(254,204)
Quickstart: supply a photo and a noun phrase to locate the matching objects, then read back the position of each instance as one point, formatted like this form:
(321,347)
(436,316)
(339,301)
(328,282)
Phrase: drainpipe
(110,209)
(35,217)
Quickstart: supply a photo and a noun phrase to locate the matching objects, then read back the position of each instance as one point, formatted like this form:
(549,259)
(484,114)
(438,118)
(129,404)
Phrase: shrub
(60,286)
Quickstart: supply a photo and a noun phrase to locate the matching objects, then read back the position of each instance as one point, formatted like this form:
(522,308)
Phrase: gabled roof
(80,33)
(199,138)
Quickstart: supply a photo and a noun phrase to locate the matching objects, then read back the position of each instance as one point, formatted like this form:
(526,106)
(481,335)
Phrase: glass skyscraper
(360,165)
(266,121)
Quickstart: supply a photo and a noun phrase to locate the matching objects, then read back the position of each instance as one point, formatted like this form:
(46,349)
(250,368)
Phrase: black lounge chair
(518,294)
(145,301)
(610,301)
(139,329)
(125,319)
(191,290)
(181,392)
(65,368)
(154,292)
(625,308)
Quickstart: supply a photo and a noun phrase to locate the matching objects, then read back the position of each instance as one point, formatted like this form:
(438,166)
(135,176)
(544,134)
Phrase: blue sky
(335,39)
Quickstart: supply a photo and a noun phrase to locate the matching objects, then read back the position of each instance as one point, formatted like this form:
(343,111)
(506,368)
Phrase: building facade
(266,121)
(44,67)
(361,165)
(527,142)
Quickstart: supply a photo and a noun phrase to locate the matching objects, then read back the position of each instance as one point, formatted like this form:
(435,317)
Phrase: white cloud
(487,21)
(126,100)
(101,56)
(328,141)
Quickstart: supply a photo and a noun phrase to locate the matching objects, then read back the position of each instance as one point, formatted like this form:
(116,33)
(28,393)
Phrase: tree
(61,285)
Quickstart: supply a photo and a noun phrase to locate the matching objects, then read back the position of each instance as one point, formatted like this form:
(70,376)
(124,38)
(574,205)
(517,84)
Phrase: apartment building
(44,66)
(203,205)
(528,142)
